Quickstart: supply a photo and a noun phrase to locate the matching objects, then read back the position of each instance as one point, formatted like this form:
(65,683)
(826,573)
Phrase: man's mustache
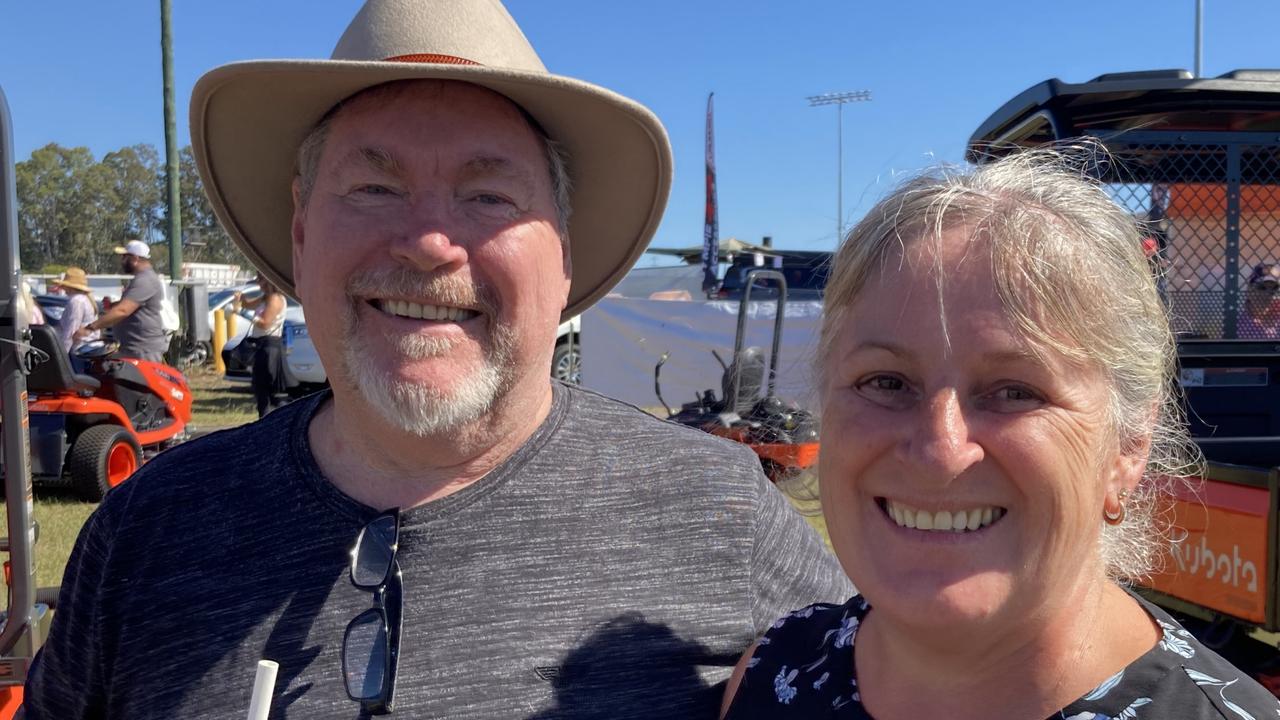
(434,289)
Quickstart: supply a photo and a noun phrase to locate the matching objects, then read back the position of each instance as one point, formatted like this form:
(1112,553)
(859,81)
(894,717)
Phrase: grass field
(60,513)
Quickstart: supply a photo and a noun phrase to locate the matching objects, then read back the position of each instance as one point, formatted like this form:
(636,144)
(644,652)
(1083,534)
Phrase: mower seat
(55,374)
(748,365)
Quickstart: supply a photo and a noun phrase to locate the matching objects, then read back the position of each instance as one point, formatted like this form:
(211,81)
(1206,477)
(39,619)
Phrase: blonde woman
(997,421)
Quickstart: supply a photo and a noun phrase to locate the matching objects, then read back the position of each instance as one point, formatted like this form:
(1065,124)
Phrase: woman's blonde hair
(1069,269)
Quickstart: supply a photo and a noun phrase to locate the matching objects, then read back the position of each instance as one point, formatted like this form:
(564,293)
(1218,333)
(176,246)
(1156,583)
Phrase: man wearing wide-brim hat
(447,532)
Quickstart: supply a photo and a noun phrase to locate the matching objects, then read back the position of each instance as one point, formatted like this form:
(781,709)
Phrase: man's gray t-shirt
(142,334)
(615,567)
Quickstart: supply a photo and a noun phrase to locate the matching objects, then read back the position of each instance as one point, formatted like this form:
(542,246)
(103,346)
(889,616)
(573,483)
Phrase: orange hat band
(432,58)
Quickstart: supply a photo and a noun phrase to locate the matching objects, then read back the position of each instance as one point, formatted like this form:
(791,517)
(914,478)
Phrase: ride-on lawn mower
(93,430)
(783,434)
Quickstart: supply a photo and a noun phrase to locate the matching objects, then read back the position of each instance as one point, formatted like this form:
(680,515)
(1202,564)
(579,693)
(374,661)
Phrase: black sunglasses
(371,645)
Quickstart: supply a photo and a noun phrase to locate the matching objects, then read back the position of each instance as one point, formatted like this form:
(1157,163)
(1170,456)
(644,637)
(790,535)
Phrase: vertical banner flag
(711,229)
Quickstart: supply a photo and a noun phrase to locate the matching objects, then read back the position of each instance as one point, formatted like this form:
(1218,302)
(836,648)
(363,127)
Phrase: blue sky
(88,73)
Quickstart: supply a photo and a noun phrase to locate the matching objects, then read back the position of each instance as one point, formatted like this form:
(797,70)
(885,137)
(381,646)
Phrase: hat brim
(73,286)
(248,119)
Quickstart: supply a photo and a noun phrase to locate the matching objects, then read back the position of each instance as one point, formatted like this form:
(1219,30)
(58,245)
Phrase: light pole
(1199,38)
(173,196)
(839,99)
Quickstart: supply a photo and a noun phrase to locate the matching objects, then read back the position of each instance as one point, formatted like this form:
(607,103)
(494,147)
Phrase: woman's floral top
(803,668)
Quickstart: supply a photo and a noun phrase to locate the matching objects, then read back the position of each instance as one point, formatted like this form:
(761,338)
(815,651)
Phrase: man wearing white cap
(447,533)
(136,317)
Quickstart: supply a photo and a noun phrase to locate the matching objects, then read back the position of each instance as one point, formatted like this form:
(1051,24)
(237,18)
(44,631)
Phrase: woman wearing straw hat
(81,310)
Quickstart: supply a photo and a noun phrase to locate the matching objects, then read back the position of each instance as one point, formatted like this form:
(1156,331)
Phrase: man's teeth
(404,308)
(943,520)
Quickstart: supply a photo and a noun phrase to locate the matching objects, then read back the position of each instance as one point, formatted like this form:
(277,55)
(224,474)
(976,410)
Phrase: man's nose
(940,444)
(431,238)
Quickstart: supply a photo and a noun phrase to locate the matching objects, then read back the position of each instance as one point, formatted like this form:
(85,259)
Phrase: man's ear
(296,234)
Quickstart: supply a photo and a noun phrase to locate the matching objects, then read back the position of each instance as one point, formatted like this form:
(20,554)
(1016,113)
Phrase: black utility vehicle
(805,272)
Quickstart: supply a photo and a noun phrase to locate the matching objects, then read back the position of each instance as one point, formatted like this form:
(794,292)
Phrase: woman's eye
(888,390)
(885,383)
(373,190)
(1014,397)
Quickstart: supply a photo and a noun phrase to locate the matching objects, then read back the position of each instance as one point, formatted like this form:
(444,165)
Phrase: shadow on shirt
(629,667)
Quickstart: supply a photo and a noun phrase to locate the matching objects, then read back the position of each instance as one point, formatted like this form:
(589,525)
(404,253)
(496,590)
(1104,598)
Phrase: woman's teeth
(404,308)
(943,520)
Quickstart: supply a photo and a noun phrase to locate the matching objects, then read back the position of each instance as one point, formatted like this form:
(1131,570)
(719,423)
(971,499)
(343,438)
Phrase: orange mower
(781,433)
(92,430)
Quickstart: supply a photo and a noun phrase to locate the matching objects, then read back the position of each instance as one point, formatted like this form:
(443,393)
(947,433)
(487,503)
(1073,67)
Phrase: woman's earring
(1114,516)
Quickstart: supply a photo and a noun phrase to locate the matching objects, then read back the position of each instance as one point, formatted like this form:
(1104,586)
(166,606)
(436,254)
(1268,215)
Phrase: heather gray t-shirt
(141,335)
(614,567)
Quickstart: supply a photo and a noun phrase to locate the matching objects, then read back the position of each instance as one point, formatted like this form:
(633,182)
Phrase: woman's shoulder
(802,664)
(1202,677)
(1179,677)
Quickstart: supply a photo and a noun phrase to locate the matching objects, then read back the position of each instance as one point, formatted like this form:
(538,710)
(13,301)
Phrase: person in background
(35,316)
(80,311)
(266,330)
(136,316)
(998,428)
(447,532)
(1261,317)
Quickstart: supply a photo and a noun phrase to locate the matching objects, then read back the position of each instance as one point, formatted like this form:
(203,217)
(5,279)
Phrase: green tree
(136,186)
(56,215)
(75,211)
(204,240)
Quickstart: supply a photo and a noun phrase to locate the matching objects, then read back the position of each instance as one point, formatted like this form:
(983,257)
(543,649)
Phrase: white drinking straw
(264,685)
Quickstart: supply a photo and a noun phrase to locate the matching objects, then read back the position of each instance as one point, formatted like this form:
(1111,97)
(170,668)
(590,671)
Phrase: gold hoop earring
(1117,516)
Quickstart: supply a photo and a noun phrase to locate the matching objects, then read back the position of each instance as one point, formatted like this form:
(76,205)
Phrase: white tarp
(623,339)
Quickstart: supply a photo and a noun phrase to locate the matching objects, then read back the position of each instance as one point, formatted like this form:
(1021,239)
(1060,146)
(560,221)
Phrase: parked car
(566,362)
(306,374)
(222,299)
(53,306)
(237,370)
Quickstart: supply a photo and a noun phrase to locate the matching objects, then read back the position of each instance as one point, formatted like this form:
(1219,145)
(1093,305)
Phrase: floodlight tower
(839,99)
(1199,38)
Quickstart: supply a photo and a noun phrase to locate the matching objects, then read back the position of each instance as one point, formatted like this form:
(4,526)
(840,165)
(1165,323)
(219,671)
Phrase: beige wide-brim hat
(248,119)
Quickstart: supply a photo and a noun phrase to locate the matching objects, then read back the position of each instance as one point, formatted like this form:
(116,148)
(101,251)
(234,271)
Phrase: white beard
(422,410)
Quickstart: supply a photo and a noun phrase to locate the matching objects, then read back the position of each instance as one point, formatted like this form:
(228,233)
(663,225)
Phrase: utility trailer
(1197,162)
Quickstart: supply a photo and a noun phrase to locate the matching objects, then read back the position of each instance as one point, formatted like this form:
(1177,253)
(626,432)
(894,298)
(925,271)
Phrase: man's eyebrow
(376,158)
(493,165)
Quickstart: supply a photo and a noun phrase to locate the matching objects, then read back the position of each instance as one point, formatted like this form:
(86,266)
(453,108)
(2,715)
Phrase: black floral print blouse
(803,668)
